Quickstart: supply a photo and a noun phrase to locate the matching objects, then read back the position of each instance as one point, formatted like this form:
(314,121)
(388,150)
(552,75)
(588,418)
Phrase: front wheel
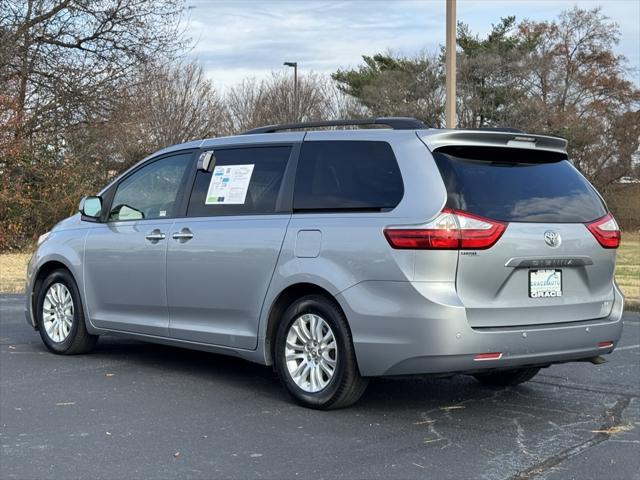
(314,355)
(507,378)
(60,315)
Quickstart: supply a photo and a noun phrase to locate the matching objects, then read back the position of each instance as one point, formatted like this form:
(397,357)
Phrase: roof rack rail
(499,129)
(396,123)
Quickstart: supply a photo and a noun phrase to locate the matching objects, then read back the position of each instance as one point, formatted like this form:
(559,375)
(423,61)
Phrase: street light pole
(450,60)
(295,88)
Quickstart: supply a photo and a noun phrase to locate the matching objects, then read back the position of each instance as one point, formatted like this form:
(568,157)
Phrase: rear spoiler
(435,139)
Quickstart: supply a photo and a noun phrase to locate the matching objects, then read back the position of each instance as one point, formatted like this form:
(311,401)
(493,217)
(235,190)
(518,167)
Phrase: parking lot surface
(135,410)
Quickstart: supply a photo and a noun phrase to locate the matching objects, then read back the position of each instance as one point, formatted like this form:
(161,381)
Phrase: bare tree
(253,103)
(177,103)
(168,104)
(68,55)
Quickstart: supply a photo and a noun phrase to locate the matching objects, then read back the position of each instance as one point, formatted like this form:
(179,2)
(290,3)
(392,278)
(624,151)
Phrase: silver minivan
(339,255)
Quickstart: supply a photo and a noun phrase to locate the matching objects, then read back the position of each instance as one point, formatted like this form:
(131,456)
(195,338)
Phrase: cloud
(241,38)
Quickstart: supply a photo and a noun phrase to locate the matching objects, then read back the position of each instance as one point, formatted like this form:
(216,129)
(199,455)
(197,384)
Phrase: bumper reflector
(488,356)
(605,344)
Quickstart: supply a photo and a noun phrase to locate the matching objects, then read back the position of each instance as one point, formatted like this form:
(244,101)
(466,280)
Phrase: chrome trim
(543,262)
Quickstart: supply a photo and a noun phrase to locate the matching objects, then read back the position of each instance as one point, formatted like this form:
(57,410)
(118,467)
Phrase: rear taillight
(451,230)
(606,231)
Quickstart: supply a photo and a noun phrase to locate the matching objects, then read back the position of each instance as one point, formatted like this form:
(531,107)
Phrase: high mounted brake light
(606,231)
(451,230)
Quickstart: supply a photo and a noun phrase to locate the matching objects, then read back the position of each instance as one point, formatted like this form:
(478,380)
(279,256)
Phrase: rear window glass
(511,191)
(347,175)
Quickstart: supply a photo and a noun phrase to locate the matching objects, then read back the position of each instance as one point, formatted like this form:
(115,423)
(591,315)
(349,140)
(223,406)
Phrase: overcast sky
(249,38)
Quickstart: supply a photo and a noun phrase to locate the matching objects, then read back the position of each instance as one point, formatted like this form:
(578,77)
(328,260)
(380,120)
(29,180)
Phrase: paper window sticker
(229,184)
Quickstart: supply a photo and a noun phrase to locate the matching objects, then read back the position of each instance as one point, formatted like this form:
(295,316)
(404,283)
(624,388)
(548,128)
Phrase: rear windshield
(533,191)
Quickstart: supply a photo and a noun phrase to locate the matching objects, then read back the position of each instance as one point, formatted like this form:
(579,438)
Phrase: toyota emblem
(552,238)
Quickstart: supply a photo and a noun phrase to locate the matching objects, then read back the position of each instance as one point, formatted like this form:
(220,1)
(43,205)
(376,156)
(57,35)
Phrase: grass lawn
(13,269)
(628,269)
(13,266)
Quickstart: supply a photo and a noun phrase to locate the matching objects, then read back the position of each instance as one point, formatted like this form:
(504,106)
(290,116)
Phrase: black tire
(346,386)
(507,378)
(78,340)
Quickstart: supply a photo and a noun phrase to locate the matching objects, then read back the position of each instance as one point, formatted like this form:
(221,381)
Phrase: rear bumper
(403,328)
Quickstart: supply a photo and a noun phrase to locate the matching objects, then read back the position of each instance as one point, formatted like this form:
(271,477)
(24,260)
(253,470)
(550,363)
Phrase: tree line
(88,87)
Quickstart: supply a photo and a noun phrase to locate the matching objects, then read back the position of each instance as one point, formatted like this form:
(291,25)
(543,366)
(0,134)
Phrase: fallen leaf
(454,407)
(614,430)
(424,422)
(434,440)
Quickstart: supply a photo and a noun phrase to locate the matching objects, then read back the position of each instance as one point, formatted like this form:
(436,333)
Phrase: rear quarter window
(347,176)
(516,186)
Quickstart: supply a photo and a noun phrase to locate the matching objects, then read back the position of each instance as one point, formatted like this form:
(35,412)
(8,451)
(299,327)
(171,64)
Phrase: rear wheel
(314,355)
(508,377)
(60,315)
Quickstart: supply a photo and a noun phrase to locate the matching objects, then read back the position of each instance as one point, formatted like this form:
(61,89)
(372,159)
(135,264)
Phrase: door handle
(183,235)
(155,236)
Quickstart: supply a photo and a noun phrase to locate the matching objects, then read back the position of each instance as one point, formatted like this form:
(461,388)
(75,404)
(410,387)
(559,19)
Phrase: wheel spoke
(305,330)
(312,326)
(330,361)
(305,373)
(297,330)
(318,330)
(295,356)
(314,378)
(299,368)
(328,369)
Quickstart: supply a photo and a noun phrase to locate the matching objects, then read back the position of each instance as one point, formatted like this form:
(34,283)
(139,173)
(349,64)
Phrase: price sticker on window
(229,185)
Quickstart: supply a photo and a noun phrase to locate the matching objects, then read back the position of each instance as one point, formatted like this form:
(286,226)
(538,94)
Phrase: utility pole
(450,60)
(295,88)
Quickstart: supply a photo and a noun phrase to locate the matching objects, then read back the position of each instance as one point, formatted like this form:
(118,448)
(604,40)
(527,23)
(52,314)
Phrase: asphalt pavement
(133,410)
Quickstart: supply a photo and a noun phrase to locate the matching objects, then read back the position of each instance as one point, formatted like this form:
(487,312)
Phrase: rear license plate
(545,283)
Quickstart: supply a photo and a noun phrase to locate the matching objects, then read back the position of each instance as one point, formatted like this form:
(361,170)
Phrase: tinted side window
(152,191)
(347,175)
(504,187)
(263,169)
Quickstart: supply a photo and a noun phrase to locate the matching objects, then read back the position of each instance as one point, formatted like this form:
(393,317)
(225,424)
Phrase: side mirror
(206,160)
(91,207)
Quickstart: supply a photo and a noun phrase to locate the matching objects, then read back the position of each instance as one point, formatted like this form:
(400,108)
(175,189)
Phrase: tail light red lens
(451,230)
(606,231)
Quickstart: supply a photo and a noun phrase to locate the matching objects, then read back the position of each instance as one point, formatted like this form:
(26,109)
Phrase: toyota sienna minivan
(339,255)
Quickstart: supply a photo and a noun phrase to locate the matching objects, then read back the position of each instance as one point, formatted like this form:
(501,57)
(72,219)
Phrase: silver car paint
(125,278)
(216,281)
(409,311)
